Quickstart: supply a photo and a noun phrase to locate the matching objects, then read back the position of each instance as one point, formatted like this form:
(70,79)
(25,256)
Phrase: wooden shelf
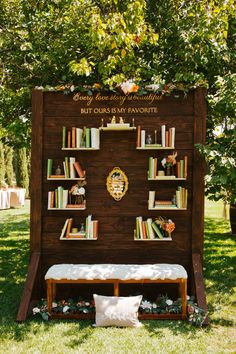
(81,148)
(167,208)
(78,239)
(155,148)
(154,239)
(67,208)
(167,178)
(117,128)
(66,179)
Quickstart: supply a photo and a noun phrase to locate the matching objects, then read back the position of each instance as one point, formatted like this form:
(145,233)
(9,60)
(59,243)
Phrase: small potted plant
(168,163)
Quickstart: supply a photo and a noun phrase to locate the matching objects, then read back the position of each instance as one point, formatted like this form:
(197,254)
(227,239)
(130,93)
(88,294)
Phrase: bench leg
(116,288)
(49,295)
(54,291)
(183,295)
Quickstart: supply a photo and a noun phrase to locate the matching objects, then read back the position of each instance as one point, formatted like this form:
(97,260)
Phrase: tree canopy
(98,44)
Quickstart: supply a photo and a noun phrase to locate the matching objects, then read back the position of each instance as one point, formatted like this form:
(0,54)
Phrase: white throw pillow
(117,311)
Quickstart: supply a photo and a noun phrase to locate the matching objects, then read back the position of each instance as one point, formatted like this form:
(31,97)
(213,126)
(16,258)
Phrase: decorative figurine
(102,122)
(121,120)
(78,192)
(82,228)
(149,139)
(113,120)
(58,171)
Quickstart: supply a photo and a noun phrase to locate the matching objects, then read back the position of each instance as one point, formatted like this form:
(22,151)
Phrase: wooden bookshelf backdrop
(117,219)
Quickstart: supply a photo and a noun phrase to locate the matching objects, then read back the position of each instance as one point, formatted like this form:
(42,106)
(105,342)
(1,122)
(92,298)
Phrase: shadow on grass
(14,254)
(219,260)
(155,328)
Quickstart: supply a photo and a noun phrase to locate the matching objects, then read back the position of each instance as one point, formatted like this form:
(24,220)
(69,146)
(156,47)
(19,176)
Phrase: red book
(170,137)
(69,139)
(138,136)
(78,169)
(95,229)
(167,139)
(178,169)
(73,137)
(144,229)
(185,166)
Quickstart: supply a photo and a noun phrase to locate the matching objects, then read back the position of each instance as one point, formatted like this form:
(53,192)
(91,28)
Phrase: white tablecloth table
(4,199)
(12,197)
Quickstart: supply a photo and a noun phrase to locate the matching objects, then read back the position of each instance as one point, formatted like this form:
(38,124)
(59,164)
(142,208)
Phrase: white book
(95,138)
(91,229)
(64,198)
(172,142)
(88,227)
(49,199)
(163,135)
(150,229)
(79,133)
(72,169)
(178,199)
(143,134)
(151,199)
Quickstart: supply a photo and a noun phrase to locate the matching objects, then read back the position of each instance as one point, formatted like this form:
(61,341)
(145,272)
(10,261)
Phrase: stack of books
(77,138)
(59,199)
(149,229)
(90,232)
(181,197)
(71,169)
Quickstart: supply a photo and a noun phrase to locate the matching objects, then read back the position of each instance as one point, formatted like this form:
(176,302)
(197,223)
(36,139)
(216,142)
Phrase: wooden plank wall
(115,242)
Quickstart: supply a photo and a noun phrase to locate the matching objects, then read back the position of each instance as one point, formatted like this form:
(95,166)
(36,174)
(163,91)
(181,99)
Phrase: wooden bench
(117,274)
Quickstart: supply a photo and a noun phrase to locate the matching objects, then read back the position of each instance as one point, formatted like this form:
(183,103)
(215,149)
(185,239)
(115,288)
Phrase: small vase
(149,139)
(168,171)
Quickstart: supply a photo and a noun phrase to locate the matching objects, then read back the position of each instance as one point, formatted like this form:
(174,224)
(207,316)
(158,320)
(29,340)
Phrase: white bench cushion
(116,271)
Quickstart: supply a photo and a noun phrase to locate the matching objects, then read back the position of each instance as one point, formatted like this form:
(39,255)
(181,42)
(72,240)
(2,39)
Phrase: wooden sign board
(117,219)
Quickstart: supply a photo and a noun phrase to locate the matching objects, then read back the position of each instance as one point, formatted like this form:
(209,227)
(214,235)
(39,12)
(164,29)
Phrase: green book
(181,168)
(63,137)
(147,230)
(157,230)
(49,168)
(60,196)
(56,199)
(88,138)
(67,170)
(180,197)
(150,167)
(137,229)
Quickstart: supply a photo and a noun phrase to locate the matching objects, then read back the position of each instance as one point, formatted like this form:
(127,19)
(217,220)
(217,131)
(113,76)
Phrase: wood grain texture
(36,171)
(28,288)
(115,242)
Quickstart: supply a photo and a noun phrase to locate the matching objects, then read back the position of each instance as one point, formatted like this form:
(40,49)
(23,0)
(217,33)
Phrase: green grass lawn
(36,337)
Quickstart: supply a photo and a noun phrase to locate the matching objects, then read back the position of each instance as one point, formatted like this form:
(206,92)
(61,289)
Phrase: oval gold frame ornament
(117,183)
